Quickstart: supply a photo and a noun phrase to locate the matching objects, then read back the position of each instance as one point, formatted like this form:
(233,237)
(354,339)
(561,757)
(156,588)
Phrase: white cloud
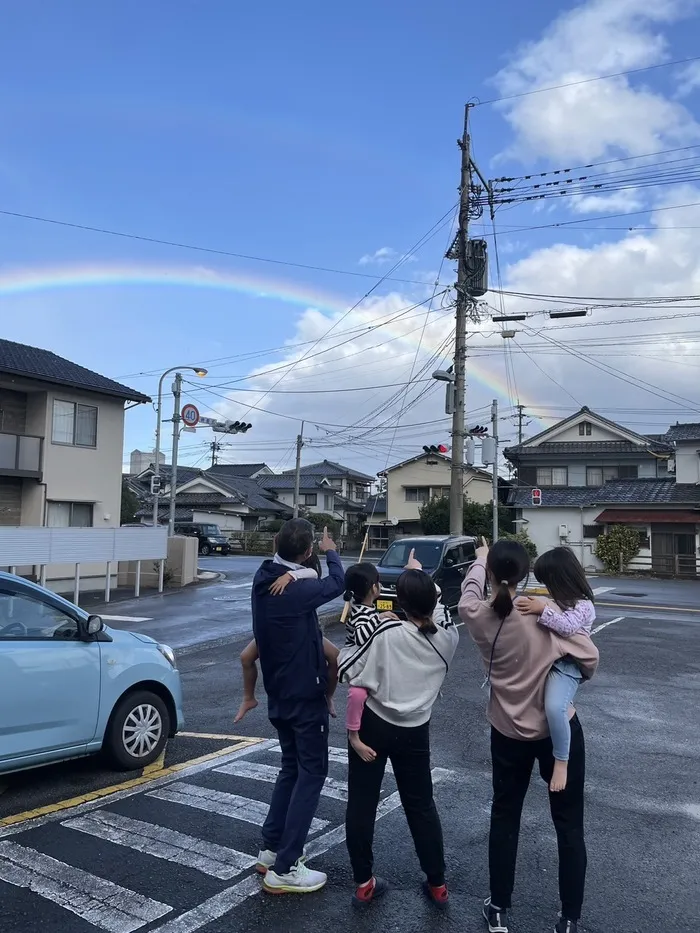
(624,200)
(379,257)
(688,79)
(592,121)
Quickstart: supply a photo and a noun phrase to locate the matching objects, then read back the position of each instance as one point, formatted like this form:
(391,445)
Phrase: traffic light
(239,427)
(436,449)
(537,497)
(478,430)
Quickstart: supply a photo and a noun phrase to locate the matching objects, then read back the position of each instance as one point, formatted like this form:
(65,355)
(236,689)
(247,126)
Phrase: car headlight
(168,654)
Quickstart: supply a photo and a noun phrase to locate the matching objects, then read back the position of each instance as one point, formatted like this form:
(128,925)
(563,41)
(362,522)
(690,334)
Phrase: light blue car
(69,686)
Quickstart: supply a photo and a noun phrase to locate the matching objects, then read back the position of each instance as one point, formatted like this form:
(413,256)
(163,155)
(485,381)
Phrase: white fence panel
(20,547)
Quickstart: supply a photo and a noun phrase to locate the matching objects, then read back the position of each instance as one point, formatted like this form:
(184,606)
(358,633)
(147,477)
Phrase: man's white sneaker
(298,880)
(266,860)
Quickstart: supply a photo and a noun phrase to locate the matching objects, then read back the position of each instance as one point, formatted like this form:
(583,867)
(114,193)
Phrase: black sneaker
(497,919)
(566,926)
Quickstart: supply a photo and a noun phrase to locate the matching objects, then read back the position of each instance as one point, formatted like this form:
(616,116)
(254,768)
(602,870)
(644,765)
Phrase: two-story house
(409,485)
(593,473)
(61,447)
(326,487)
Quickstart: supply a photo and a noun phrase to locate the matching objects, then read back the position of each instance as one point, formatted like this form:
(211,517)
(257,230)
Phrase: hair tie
(504,583)
(348,596)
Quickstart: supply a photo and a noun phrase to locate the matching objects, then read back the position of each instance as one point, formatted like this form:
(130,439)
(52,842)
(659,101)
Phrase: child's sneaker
(365,894)
(438,894)
(566,926)
(266,859)
(298,880)
(496,918)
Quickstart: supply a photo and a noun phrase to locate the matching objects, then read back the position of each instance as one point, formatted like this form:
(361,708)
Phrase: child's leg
(249,657)
(357,697)
(562,683)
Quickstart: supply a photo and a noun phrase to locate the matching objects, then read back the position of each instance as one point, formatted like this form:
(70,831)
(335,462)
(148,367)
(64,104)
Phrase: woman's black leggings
(513,761)
(409,753)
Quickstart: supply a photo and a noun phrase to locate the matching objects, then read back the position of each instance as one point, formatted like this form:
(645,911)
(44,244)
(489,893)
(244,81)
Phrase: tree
(618,547)
(321,520)
(130,504)
(478,518)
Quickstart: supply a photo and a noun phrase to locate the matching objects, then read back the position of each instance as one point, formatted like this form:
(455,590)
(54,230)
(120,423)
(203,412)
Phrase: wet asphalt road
(642,721)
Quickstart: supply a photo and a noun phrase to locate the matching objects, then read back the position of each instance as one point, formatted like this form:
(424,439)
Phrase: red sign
(190,415)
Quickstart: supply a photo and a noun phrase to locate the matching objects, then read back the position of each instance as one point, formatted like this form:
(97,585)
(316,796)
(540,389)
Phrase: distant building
(140,460)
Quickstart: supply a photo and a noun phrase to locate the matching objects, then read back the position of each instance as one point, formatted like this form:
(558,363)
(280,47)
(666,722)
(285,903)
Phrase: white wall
(571,433)
(420,473)
(688,463)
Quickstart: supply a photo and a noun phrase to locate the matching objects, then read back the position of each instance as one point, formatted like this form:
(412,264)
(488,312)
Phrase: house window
(593,531)
(552,476)
(328,503)
(309,498)
(336,483)
(440,492)
(628,471)
(584,429)
(74,425)
(417,494)
(596,476)
(643,530)
(361,493)
(69,514)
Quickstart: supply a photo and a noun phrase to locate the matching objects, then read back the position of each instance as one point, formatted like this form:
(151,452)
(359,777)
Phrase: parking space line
(213,735)
(599,628)
(222,803)
(269,774)
(645,607)
(163,843)
(158,765)
(92,799)
(100,902)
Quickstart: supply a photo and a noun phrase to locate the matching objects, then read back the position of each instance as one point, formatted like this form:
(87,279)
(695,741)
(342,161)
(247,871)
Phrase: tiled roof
(379,508)
(331,469)
(548,448)
(17,359)
(252,493)
(284,481)
(237,469)
(684,432)
(629,492)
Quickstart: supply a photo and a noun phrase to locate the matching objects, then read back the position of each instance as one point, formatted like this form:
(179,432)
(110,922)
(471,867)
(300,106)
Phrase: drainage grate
(628,593)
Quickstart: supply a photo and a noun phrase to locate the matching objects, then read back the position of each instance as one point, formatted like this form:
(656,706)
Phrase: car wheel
(138,730)
(205,550)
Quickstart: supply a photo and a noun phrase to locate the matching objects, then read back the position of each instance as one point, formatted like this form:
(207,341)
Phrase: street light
(155,481)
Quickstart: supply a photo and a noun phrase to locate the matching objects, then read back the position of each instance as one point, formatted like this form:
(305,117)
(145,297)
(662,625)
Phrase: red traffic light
(436,449)
(537,497)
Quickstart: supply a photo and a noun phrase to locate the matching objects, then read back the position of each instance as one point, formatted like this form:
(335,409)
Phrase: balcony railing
(20,455)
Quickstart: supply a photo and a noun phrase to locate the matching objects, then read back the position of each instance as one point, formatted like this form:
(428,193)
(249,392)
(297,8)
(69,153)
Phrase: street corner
(25,795)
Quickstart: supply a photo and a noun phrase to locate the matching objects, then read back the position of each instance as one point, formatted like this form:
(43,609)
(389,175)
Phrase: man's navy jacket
(290,645)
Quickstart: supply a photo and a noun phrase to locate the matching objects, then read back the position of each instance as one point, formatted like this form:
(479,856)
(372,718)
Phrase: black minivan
(210,537)
(447,558)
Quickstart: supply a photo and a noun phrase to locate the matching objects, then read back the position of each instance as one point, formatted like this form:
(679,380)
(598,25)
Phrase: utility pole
(462,304)
(521,417)
(177,392)
(215,447)
(494,432)
(297,471)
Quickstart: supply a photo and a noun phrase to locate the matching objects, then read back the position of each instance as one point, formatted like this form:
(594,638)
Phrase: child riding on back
(569,612)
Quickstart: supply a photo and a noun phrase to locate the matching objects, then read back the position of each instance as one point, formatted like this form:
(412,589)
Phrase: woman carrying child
(518,653)
(395,669)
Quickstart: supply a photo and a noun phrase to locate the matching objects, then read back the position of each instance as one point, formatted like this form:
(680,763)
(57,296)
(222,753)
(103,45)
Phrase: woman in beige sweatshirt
(518,654)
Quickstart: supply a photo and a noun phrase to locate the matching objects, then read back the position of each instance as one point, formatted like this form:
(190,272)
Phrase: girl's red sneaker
(366,893)
(438,894)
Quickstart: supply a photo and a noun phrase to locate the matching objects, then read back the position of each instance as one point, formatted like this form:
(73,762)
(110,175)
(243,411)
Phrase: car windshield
(213,531)
(427,552)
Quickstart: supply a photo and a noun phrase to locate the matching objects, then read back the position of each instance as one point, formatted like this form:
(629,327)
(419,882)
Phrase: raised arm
(473,587)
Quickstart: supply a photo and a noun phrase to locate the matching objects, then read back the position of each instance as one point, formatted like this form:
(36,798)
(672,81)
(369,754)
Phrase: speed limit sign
(190,415)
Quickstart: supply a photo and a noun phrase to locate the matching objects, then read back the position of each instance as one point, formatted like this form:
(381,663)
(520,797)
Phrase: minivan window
(427,552)
(213,531)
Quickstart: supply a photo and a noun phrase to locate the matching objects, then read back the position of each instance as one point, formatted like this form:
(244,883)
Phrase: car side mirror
(90,627)
(449,562)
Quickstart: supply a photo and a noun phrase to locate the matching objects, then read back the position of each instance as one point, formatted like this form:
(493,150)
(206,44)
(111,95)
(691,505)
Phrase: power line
(559,87)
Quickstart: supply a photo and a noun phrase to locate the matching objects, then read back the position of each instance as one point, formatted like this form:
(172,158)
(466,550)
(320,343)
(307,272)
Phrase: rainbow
(28,280)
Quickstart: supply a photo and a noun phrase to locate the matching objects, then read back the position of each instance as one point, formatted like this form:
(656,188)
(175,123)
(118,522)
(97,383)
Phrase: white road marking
(168,844)
(124,618)
(599,590)
(269,774)
(95,900)
(226,901)
(339,755)
(221,802)
(101,802)
(599,628)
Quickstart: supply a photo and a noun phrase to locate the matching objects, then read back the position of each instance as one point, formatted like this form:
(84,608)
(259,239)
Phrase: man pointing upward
(295,675)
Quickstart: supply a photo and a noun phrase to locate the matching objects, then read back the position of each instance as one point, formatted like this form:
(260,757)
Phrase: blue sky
(313,132)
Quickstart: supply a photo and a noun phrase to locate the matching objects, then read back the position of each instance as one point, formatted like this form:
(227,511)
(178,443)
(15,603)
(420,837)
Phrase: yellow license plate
(385,605)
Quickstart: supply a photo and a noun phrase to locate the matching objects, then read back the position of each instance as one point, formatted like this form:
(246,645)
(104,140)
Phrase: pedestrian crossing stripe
(109,906)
